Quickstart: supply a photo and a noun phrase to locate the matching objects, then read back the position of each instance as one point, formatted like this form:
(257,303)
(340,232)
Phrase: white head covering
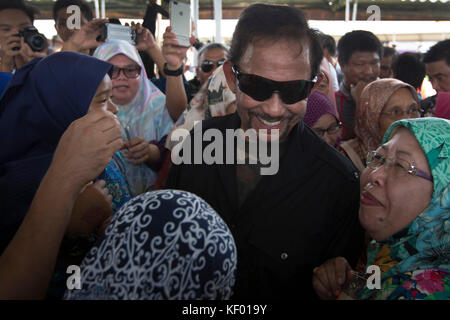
(146,116)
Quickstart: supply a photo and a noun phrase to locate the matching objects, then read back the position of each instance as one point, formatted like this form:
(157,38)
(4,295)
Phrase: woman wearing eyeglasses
(142,111)
(382,102)
(405,207)
(322,118)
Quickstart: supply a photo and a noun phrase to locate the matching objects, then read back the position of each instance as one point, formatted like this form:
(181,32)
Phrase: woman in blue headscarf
(42,100)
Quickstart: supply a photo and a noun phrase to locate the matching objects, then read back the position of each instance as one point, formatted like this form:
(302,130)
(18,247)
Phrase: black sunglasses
(208,65)
(261,89)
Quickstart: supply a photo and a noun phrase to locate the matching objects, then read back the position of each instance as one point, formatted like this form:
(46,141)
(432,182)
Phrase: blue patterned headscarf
(423,247)
(161,245)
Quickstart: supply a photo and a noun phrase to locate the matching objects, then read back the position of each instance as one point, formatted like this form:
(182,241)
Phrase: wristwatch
(173,73)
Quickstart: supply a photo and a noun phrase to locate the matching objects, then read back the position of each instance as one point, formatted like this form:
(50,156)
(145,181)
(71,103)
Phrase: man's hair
(269,22)
(389,52)
(358,40)
(211,46)
(82,4)
(328,43)
(409,68)
(29,10)
(440,51)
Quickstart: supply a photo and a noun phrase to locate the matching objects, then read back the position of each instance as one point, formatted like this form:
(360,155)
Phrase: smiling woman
(382,102)
(405,208)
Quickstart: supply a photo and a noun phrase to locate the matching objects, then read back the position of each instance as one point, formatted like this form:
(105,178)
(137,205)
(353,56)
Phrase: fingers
(330,277)
(320,288)
(101,186)
(139,148)
(96,22)
(135,141)
(342,267)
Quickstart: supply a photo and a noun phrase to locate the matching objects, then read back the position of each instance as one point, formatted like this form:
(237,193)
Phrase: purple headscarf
(317,105)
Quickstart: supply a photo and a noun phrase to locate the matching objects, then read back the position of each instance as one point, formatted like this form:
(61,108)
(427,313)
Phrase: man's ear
(230,76)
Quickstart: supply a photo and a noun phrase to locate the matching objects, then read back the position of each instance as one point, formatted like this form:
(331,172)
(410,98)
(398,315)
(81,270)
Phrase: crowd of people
(87,177)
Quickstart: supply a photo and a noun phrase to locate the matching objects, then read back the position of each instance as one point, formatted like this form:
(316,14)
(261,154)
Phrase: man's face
(61,23)
(439,74)
(282,60)
(11,22)
(362,66)
(213,55)
(386,68)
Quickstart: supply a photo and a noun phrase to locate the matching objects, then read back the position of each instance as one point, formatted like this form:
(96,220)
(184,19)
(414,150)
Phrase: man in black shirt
(286,223)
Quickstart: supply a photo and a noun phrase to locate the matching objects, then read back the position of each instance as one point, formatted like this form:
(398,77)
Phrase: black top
(290,222)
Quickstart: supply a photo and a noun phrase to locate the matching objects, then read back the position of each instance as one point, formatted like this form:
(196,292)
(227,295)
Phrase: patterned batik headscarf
(367,116)
(146,115)
(415,262)
(162,245)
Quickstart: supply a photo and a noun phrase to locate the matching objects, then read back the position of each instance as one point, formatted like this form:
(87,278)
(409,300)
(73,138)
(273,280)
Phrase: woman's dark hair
(269,22)
(409,68)
(440,51)
(358,40)
(83,5)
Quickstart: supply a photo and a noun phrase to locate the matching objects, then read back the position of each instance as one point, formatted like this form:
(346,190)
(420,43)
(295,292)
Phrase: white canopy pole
(194,13)
(355,10)
(97,9)
(103,9)
(347,10)
(218,18)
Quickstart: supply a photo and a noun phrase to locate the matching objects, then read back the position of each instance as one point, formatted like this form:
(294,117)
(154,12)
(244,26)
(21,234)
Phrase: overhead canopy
(315,9)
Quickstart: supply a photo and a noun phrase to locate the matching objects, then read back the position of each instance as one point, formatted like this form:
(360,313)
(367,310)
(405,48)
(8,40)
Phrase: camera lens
(38,43)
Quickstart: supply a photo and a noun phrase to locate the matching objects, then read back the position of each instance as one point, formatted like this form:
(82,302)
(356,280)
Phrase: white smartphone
(180,21)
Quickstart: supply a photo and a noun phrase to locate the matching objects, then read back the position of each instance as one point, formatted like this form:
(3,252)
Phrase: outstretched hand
(172,51)
(86,37)
(87,146)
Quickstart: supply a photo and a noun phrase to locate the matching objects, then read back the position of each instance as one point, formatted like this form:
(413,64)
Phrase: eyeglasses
(400,167)
(129,72)
(261,89)
(208,65)
(397,112)
(334,128)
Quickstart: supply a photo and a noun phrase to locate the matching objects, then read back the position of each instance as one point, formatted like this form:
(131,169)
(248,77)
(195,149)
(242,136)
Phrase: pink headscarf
(443,105)
(367,116)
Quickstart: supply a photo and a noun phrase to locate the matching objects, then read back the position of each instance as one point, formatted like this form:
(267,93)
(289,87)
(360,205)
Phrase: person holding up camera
(16,23)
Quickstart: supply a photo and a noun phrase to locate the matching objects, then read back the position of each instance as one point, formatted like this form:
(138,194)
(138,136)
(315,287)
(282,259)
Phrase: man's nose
(368,69)
(274,107)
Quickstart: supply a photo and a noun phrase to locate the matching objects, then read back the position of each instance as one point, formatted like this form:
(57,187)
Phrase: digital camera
(37,41)
(112,31)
